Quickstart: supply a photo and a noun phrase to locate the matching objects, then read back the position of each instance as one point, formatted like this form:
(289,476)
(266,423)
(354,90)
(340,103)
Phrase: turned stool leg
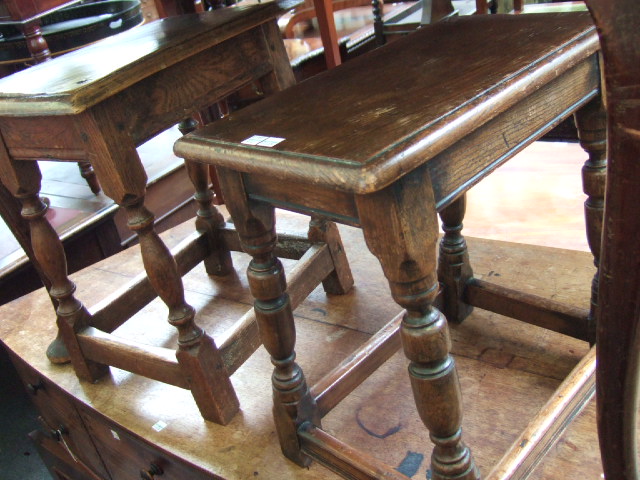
(209,219)
(454,269)
(293,404)
(405,246)
(124,180)
(591,121)
(23,180)
(197,353)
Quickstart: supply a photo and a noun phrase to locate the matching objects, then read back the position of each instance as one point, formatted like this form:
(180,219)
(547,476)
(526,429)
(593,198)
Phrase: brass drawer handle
(150,474)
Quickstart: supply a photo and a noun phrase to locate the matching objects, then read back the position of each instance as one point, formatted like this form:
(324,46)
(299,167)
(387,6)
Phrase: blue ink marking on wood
(410,464)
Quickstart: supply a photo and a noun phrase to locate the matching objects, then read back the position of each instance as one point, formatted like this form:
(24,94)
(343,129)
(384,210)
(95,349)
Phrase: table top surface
(78,80)
(362,125)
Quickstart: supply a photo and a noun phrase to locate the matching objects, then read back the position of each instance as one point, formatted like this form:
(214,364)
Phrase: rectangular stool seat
(361,127)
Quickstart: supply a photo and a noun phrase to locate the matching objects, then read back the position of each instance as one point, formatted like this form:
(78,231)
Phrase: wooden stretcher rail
(342,380)
(547,426)
(238,344)
(117,308)
(342,458)
(242,339)
(153,362)
(549,314)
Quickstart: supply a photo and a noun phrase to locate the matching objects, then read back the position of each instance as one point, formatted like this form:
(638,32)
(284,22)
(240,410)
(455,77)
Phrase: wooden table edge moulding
(97,104)
(399,135)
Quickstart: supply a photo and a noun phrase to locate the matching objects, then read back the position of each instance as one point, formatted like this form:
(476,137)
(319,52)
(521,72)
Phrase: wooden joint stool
(97,104)
(386,142)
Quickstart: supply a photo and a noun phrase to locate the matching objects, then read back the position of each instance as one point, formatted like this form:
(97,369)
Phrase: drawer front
(57,460)
(60,419)
(128,456)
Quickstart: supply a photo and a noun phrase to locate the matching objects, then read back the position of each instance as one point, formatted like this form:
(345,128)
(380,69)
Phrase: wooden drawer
(60,419)
(58,461)
(128,456)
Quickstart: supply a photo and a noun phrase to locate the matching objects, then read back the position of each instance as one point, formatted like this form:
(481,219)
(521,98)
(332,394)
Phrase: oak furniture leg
(591,122)
(125,182)
(293,404)
(23,180)
(208,218)
(405,245)
(454,269)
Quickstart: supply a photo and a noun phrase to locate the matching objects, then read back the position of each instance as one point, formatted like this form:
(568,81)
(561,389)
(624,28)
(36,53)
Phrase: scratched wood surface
(507,369)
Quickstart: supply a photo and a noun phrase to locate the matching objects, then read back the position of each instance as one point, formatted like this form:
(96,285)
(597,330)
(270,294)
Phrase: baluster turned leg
(591,121)
(23,180)
(197,353)
(209,219)
(405,244)
(124,180)
(340,279)
(454,269)
(293,404)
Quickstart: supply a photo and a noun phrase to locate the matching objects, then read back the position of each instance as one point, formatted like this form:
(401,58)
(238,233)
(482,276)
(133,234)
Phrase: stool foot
(208,379)
(340,280)
(57,352)
(454,269)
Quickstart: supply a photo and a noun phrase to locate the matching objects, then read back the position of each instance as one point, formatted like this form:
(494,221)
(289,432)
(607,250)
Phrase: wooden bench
(97,104)
(385,142)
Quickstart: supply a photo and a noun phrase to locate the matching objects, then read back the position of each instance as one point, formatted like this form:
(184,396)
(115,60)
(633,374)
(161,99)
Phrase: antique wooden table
(384,143)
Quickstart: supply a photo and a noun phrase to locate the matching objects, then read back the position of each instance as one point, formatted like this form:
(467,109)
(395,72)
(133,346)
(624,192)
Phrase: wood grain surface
(507,369)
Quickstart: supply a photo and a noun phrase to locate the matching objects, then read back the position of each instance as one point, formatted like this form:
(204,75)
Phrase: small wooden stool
(97,104)
(384,142)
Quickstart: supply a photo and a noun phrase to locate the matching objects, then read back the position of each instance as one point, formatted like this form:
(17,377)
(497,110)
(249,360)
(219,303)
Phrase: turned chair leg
(197,353)
(454,269)
(591,122)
